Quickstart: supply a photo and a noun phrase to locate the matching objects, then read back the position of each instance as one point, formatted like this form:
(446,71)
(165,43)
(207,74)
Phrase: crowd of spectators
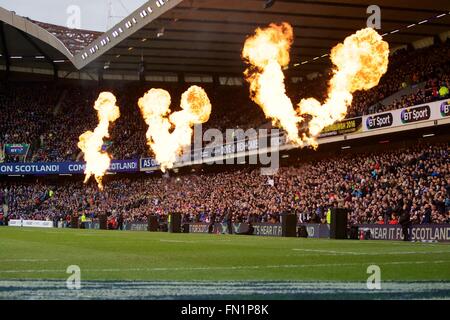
(376,187)
(407,68)
(51,116)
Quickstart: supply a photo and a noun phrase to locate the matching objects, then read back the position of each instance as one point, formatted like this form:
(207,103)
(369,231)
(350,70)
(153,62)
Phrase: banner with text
(343,127)
(18,149)
(45,168)
(426,112)
(30,223)
(422,232)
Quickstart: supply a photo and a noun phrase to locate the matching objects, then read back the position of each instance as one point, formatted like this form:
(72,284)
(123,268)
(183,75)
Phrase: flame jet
(359,61)
(268,52)
(155,109)
(98,161)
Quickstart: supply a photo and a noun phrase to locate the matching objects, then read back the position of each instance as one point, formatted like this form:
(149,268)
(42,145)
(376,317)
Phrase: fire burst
(155,108)
(359,61)
(98,161)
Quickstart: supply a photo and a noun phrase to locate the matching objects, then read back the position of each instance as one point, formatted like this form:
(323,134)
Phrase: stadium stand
(377,187)
(48,122)
(74,39)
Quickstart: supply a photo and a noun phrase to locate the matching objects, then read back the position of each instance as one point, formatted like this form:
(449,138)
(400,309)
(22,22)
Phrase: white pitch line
(27,260)
(178,241)
(226,268)
(193,241)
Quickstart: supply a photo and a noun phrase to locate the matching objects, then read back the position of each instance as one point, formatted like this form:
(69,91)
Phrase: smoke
(359,62)
(98,161)
(155,108)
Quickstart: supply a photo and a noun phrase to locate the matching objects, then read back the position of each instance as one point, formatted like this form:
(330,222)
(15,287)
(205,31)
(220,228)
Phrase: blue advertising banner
(317,230)
(19,149)
(420,232)
(44,168)
(148,163)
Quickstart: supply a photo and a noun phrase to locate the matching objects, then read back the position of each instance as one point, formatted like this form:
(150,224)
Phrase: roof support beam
(41,52)
(5,51)
(137,20)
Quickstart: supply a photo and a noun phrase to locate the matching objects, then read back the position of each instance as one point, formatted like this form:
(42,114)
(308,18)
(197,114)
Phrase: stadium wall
(420,233)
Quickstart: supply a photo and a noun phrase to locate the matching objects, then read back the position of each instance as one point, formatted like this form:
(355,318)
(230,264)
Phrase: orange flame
(359,61)
(268,52)
(98,161)
(154,106)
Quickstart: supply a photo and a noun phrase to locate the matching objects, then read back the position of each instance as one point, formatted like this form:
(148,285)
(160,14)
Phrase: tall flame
(359,61)
(155,108)
(268,52)
(98,161)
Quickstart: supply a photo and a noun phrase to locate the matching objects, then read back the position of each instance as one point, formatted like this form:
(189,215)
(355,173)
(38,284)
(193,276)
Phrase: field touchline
(228,268)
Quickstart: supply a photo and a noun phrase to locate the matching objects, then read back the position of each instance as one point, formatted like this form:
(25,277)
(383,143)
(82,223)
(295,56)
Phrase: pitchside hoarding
(30,223)
(316,230)
(422,232)
(129,226)
(430,232)
(425,232)
(259,229)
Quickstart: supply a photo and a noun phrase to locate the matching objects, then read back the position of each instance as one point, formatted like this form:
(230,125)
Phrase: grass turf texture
(28,253)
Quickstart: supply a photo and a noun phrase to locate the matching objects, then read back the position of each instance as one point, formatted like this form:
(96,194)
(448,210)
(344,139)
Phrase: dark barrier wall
(175,222)
(338,223)
(289,225)
(74,222)
(152,223)
(103,221)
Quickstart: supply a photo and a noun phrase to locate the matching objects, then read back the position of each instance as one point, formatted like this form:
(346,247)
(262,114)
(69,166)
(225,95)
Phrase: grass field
(162,265)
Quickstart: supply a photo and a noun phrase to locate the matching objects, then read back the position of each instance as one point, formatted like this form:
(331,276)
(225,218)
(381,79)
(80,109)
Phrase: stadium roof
(206,36)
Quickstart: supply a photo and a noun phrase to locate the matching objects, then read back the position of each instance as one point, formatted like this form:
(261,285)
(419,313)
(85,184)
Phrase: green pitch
(116,256)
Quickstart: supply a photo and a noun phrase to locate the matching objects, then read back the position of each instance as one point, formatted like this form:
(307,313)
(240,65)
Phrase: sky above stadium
(97,15)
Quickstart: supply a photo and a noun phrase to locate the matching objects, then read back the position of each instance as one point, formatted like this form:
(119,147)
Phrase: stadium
(225,149)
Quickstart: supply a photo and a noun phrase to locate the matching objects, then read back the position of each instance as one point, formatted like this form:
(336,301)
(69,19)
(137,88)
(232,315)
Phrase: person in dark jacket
(120,222)
(427,216)
(228,221)
(405,221)
(212,222)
